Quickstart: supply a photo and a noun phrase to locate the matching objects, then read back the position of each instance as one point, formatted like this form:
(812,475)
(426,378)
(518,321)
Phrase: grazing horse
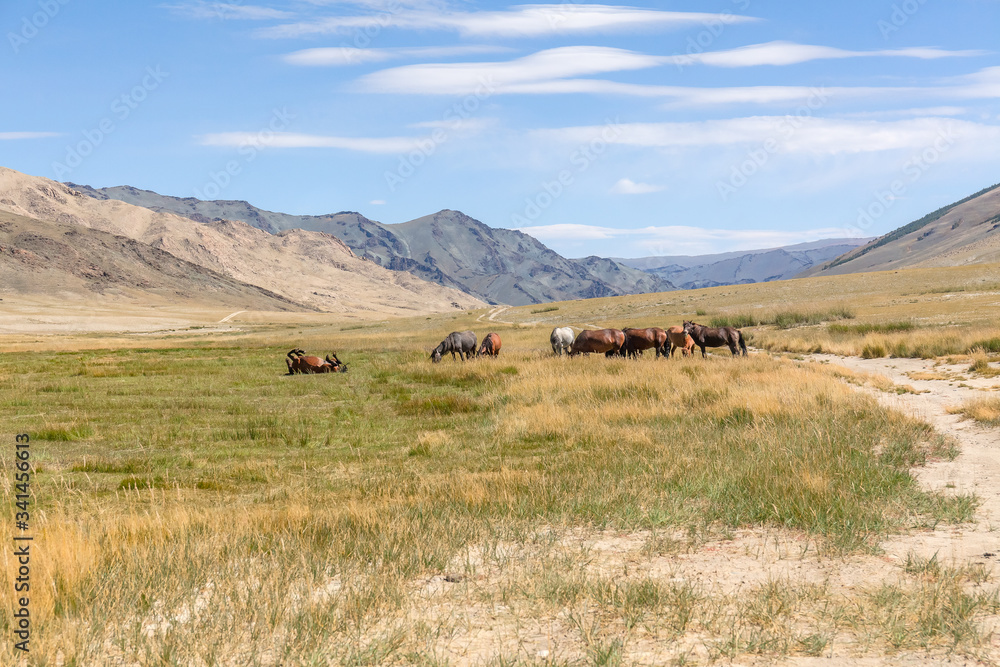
(679,339)
(637,340)
(608,341)
(490,346)
(561,339)
(463,342)
(716,337)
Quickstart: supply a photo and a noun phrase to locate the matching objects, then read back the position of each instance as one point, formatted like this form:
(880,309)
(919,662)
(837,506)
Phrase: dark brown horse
(608,341)
(637,340)
(716,337)
(490,346)
(681,340)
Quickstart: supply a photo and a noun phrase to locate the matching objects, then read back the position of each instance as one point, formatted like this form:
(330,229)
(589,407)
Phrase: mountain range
(73,239)
(448,247)
(746,266)
(297,269)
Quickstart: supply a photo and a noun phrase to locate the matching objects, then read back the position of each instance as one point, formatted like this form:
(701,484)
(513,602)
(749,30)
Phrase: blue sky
(616,130)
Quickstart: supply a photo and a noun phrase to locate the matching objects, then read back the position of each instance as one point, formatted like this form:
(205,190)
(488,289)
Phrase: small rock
(454,578)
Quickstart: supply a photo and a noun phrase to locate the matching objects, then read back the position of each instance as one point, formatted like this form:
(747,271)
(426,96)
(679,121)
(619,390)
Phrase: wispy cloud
(679,239)
(294,140)
(567,70)
(790,53)
(550,65)
(517,21)
(10,136)
(338,56)
(227,10)
(817,136)
(627,186)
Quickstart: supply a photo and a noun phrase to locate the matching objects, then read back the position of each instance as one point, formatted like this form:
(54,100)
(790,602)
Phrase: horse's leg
(703,354)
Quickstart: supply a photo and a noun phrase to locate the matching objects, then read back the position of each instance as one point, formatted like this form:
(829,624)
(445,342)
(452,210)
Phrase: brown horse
(637,340)
(608,341)
(490,346)
(716,337)
(679,339)
(299,362)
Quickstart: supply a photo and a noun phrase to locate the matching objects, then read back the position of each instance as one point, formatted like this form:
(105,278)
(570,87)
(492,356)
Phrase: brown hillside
(310,268)
(74,262)
(967,232)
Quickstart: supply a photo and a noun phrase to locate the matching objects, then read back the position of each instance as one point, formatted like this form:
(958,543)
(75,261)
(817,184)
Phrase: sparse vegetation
(985,410)
(782,319)
(197,506)
(214,507)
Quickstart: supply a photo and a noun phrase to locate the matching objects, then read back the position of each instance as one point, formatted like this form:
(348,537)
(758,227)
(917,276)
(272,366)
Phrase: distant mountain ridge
(748,266)
(447,247)
(965,232)
(294,269)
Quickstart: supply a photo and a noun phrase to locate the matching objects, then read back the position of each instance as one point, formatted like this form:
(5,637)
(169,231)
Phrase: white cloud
(544,66)
(790,53)
(680,239)
(780,134)
(627,186)
(227,10)
(338,56)
(5,136)
(293,140)
(377,202)
(517,21)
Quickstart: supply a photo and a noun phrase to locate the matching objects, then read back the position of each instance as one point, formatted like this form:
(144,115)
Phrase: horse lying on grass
(716,337)
(299,362)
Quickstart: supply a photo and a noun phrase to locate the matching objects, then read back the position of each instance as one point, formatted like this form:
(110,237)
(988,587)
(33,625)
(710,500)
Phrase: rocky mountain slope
(310,268)
(751,266)
(448,247)
(58,258)
(966,232)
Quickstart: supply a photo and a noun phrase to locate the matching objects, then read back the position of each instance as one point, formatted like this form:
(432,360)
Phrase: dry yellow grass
(201,509)
(985,410)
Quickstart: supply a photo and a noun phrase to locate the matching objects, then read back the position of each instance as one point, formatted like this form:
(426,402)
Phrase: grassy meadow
(194,505)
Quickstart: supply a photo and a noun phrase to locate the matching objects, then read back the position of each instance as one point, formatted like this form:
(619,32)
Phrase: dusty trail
(976,470)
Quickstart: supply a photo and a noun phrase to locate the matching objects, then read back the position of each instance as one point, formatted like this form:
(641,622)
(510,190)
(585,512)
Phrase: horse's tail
(743,342)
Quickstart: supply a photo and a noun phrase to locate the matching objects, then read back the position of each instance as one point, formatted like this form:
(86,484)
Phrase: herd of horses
(628,342)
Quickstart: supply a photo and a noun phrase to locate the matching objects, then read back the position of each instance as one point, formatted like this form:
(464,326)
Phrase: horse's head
(436,354)
(688,327)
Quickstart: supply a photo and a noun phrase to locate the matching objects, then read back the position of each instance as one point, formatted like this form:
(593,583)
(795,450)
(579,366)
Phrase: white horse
(561,339)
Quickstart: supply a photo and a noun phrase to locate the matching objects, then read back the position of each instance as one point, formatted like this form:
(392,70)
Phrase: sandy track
(976,469)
